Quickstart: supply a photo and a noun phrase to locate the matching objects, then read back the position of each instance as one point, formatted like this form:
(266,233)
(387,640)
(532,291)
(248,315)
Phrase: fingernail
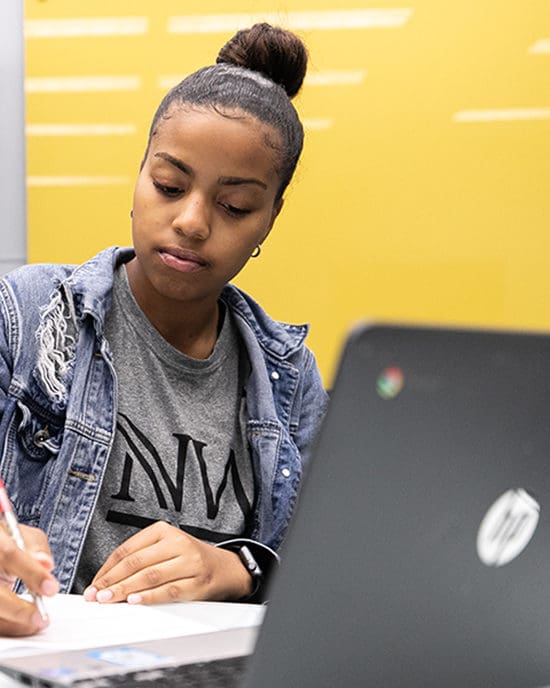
(43,557)
(134,598)
(90,594)
(104,595)
(38,621)
(49,587)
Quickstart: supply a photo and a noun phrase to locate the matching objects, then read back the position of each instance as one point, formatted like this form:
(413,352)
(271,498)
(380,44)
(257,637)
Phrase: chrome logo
(390,382)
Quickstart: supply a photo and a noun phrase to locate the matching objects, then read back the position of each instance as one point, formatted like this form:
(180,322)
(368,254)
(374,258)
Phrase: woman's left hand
(162,564)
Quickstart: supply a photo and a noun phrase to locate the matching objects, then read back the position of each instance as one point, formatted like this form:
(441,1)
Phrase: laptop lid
(420,552)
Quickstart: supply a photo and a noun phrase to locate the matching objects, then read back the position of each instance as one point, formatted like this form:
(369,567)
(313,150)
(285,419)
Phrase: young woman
(154,421)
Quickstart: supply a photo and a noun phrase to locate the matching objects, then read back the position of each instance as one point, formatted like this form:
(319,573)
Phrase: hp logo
(507,527)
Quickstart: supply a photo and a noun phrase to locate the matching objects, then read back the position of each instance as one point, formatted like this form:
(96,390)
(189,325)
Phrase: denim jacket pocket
(39,436)
(32,440)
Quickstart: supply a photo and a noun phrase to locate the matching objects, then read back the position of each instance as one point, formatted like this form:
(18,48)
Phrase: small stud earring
(256,252)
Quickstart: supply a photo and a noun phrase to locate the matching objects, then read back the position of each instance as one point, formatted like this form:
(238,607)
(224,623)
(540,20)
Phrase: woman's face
(204,199)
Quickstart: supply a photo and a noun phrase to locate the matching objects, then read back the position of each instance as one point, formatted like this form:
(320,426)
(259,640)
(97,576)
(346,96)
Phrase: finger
(145,538)
(35,540)
(19,617)
(7,581)
(149,568)
(202,572)
(18,563)
(45,559)
(127,563)
(181,590)
(158,584)
(214,574)
(36,544)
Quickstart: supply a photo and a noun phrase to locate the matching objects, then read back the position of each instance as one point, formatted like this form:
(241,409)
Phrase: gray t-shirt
(180,452)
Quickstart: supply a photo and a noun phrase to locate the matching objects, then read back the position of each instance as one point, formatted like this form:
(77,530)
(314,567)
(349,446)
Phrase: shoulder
(281,339)
(34,281)
(24,292)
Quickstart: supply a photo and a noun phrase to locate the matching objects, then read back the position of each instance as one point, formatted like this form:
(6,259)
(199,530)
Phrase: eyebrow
(174,161)
(225,181)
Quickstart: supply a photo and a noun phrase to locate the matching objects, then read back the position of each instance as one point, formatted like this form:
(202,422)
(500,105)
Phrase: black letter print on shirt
(144,452)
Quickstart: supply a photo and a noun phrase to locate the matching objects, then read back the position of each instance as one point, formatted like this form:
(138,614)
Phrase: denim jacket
(58,398)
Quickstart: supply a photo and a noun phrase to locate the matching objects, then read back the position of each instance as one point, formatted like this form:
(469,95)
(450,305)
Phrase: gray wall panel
(13,198)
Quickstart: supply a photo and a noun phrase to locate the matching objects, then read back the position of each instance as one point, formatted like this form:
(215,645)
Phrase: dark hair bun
(274,52)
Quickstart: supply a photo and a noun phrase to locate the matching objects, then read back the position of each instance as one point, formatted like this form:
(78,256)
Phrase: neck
(189,326)
(193,336)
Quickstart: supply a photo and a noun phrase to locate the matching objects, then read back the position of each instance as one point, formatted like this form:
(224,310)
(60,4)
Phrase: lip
(182,260)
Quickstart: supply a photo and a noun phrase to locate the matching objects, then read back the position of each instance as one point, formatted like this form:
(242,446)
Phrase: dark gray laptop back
(420,552)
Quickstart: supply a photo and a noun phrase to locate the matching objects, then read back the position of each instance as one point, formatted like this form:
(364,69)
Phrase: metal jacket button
(40,437)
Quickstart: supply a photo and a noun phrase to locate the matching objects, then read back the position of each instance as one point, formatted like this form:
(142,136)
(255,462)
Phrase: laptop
(419,553)
(208,660)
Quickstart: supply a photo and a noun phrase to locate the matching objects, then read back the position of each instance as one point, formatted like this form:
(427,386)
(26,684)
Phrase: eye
(234,211)
(169,191)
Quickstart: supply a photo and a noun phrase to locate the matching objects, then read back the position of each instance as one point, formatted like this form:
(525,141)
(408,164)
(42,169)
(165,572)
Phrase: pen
(8,514)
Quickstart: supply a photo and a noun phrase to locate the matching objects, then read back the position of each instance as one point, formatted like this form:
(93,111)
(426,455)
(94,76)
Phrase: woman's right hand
(34,566)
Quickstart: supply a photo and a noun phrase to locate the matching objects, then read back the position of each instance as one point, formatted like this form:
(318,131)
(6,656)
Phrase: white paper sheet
(75,624)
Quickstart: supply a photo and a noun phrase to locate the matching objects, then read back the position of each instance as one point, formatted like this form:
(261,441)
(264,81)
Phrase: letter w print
(165,483)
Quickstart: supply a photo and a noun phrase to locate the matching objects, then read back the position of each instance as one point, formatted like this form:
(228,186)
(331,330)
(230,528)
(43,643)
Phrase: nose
(192,217)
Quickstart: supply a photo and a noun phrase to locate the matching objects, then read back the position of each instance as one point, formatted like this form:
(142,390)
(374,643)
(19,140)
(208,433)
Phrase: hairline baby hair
(257,71)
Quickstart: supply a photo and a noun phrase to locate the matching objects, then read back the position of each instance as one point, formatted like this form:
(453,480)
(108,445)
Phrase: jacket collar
(279,338)
(91,286)
(91,283)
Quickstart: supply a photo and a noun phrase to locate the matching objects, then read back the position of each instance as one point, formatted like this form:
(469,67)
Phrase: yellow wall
(423,192)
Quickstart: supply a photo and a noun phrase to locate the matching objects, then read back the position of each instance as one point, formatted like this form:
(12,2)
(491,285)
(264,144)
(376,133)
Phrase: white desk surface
(73,622)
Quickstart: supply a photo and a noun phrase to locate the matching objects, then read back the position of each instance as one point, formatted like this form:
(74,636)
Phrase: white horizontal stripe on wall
(96,26)
(168,81)
(540,47)
(68,180)
(324,20)
(313,124)
(502,115)
(81,84)
(335,78)
(58,129)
